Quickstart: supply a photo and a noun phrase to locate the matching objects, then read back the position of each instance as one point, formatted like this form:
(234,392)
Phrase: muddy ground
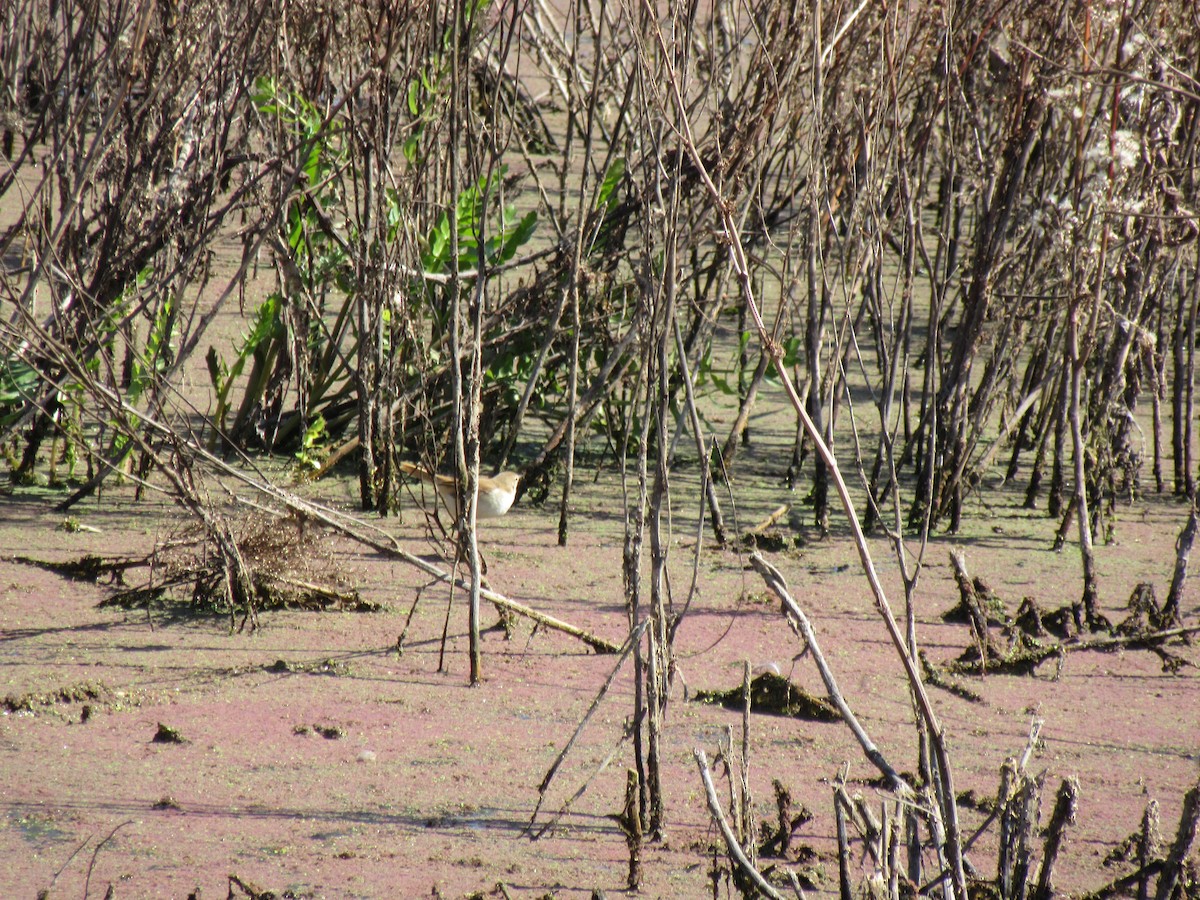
(318,760)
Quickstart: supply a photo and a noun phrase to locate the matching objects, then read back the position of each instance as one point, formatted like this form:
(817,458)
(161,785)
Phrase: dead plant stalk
(946,795)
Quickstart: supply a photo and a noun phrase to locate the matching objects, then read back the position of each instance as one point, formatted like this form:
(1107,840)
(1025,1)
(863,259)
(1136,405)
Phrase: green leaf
(439,242)
(792,348)
(409,148)
(722,384)
(264,94)
(616,171)
(266,321)
(18,380)
(519,236)
(414,87)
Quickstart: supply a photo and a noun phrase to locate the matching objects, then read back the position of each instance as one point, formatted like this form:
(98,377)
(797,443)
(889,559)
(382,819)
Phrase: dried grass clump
(289,562)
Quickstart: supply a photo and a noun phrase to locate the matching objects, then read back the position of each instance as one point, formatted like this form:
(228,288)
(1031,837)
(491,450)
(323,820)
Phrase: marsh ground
(426,786)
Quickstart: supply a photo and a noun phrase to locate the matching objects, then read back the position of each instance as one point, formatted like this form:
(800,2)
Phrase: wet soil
(314,757)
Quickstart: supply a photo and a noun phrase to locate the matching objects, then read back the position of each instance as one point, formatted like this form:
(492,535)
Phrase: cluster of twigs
(289,562)
(1034,635)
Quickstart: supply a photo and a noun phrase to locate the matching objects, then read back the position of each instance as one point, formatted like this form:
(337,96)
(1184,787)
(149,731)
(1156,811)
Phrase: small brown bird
(496,494)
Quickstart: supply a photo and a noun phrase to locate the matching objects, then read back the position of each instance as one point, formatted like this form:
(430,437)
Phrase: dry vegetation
(964,240)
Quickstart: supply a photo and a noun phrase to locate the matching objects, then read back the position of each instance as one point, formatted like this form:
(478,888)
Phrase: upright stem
(573,276)
(948,805)
(660,649)
(1085,612)
(465,397)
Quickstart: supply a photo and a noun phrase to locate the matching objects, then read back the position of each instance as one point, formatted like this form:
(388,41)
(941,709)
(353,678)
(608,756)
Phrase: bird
(496,496)
(496,493)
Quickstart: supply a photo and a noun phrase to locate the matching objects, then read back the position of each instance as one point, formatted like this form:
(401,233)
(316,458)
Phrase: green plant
(265,331)
(313,448)
(317,263)
(18,382)
(512,231)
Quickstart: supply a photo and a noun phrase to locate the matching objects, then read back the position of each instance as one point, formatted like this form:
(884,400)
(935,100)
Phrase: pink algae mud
(317,760)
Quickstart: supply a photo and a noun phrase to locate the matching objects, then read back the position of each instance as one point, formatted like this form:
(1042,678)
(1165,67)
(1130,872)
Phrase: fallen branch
(1023,661)
(599,644)
(1124,640)
(779,512)
(87,568)
(346,599)
(356,530)
(731,842)
(776,583)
